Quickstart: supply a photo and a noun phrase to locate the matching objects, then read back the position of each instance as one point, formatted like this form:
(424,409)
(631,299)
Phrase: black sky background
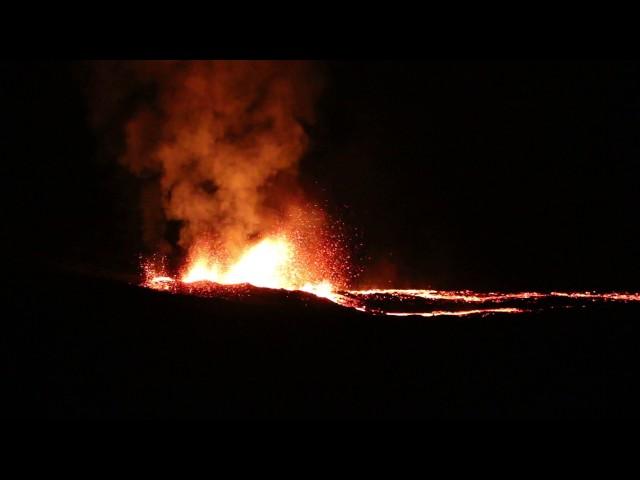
(451,174)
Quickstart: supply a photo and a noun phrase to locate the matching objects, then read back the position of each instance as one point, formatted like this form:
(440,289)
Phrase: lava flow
(278,263)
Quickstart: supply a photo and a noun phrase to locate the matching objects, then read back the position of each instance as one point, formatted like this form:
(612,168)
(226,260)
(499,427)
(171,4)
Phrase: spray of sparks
(285,262)
(277,262)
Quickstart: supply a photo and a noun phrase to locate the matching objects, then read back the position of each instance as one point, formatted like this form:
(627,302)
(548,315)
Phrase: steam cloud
(220,140)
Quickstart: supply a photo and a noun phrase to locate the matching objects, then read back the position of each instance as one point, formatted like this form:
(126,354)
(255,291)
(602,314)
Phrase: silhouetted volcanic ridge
(404,303)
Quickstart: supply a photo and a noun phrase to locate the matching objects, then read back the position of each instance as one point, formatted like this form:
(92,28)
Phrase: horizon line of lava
(458,313)
(283,262)
(481,297)
(356,299)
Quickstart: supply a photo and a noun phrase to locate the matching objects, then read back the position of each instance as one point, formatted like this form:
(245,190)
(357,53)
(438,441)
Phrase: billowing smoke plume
(218,141)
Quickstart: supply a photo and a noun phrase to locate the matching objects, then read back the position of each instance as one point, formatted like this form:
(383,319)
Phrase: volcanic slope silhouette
(76,346)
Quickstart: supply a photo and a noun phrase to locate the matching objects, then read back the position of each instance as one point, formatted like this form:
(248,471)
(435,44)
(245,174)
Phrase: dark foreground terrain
(74,346)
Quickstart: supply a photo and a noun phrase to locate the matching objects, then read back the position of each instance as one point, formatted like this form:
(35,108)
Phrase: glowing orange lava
(282,262)
(458,313)
(269,264)
(273,262)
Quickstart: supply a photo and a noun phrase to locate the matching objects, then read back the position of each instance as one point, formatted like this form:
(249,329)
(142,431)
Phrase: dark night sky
(454,174)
